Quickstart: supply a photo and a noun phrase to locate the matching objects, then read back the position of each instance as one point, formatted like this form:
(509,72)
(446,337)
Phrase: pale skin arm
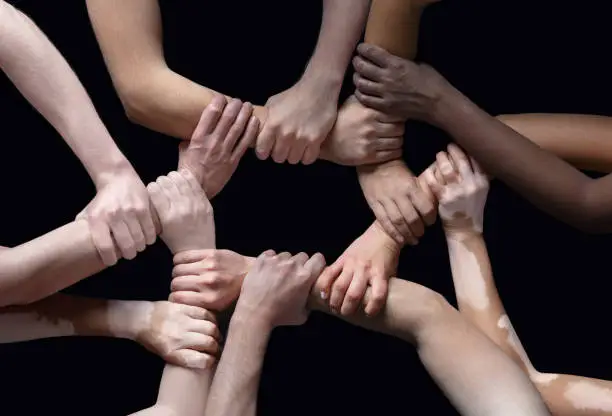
(564,394)
(46,80)
(585,141)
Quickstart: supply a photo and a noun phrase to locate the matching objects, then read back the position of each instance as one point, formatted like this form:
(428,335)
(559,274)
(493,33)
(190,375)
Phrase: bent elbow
(135,103)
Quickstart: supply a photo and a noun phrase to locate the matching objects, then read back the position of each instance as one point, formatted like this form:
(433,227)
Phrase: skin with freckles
(461,188)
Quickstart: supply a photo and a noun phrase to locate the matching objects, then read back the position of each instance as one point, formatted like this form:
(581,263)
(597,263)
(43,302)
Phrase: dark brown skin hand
(396,86)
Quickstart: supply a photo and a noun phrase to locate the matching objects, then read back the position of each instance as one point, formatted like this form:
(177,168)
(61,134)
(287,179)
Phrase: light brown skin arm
(585,141)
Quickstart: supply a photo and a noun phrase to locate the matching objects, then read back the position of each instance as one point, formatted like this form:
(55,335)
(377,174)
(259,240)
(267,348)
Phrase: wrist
(107,169)
(449,101)
(251,316)
(126,319)
(323,80)
(461,234)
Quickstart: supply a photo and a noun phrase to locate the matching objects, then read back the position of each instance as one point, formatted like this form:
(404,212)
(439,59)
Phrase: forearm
(394,25)
(236,382)
(63,315)
(47,264)
(545,180)
(46,80)
(341,28)
(461,359)
(585,141)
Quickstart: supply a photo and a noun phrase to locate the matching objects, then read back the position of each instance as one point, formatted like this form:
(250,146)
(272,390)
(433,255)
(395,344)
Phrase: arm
(130,36)
(46,80)
(585,141)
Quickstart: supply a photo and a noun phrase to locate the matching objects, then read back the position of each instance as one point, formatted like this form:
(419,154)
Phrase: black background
(508,57)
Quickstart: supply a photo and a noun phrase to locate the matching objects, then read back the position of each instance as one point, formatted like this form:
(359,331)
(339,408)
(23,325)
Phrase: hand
(208,278)
(461,188)
(121,207)
(181,334)
(185,213)
(371,260)
(276,289)
(222,136)
(402,206)
(362,136)
(396,86)
(298,121)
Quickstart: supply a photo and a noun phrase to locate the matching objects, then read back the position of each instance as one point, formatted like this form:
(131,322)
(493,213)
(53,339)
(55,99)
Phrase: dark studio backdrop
(508,57)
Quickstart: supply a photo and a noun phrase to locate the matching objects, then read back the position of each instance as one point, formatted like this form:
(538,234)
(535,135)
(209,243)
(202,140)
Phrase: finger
(311,154)
(389,143)
(190,298)
(158,198)
(265,141)
(315,264)
(355,292)
(478,169)
(123,238)
(181,184)
(300,259)
(191,256)
(388,129)
(367,69)
(199,313)
(145,218)
(433,182)
(169,188)
(460,161)
(228,118)
(375,54)
(296,153)
(248,138)
(376,103)
(194,186)
(209,118)
(446,168)
(386,155)
(136,232)
(283,256)
(411,216)
(191,359)
(200,342)
(327,278)
(378,295)
(205,328)
(186,283)
(339,288)
(367,86)
(81,215)
(282,145)
(424,202)
(385,222)
(398,221)
(237,129)
(439,177)
(103,241)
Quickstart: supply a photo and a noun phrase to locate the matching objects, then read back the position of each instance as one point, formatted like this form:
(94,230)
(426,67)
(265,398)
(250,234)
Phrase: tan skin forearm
(480,304)
(585,141)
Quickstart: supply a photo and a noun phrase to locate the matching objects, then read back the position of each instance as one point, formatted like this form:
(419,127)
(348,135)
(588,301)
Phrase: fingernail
(323,295)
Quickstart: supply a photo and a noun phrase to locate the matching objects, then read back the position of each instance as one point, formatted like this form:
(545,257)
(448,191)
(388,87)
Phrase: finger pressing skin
(190,298)
(282,145)
(389,143)
(123,238)
(191,359)
(103,241)
(328,277)
(433,183)
(228,118)
(199,313)
(340,286)
(169,188)
(385,221)
(296,152)
(186,283)
(399,222)
(315,264)
(284,256)
(367,86)
(460,160)
(158,198)
(180,183)
(265,141)
(411,216)
(192,181)
(439,177)
(205,328)
(191,256)
(386,155)
(208,119)
(391,130)
(200,342)
(249,136)
(367,69)
(370,101)
(136,232)
(237,129)
(145,218)
(375,54)
(378,294)
(478,169)
(356,290)
(311,154)
(423,202)
(446,168)
(300,259)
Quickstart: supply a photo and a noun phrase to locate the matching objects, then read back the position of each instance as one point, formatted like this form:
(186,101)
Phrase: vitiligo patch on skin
(470,286)
(16,327)
(123,315)
(586,395)
(514,341)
